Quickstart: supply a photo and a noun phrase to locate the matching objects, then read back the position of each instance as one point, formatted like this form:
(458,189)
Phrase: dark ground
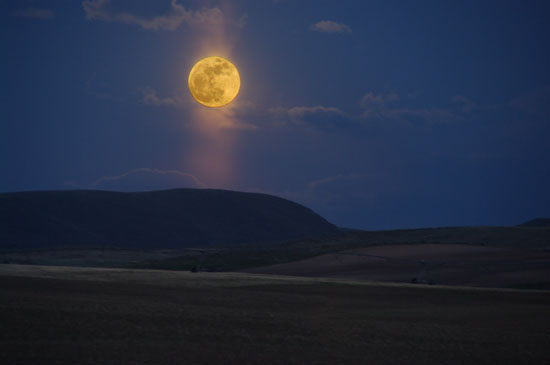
(82,316)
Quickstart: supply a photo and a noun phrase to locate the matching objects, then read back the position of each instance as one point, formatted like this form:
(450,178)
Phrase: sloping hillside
(158,219)
(538,222)
(440,263)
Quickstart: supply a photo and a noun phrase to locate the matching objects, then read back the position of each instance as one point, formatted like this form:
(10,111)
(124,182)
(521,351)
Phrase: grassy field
(441,263)
(239,257)
(63,315)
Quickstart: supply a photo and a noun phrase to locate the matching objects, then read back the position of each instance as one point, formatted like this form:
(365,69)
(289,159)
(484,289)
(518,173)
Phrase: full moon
(214,81)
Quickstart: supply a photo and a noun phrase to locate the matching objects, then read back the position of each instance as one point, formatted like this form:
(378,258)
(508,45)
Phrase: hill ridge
(174,218)
(537,222)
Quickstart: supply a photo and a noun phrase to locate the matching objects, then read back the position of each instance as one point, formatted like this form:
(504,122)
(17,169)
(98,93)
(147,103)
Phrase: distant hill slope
(517,237)
(157,219)
(538,222)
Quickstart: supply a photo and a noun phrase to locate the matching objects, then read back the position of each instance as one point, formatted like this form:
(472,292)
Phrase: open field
(447,264)
(339,257)
(62,315)
(91,257)
(236,257)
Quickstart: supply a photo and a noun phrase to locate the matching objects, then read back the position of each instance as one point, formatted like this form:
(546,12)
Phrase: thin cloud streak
(313,185)
(301,114)
(106,179)
(178,15)
(379,107)
(329,26)
(151,97)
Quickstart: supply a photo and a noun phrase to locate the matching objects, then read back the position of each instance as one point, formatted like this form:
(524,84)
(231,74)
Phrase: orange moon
(214,82)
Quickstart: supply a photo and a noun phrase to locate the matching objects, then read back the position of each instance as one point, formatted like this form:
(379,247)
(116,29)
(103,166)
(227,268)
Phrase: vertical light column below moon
(214,82)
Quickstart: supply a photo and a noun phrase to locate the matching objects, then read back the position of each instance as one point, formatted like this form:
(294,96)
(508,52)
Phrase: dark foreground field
(53,315)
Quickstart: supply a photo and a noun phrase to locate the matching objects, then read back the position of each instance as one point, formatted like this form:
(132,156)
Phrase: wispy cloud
(150,97)
(319,193)
(316,184)
(370,99)
(374,108)
(465,104)
(177,15)
(377,106)
(329,26)
(37,13)
(299,114)
(181,177)
(381,107)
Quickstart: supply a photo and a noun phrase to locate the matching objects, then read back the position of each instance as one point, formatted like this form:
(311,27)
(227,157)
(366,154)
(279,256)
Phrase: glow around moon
(214,82)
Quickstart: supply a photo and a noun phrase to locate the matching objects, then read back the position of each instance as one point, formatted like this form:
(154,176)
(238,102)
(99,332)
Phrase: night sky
(375,114)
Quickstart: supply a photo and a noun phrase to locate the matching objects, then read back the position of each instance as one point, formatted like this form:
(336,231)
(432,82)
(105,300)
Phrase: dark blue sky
(376,114)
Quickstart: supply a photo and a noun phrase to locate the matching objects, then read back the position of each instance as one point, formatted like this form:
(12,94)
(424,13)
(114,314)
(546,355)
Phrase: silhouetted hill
(156,219)
(538,222)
